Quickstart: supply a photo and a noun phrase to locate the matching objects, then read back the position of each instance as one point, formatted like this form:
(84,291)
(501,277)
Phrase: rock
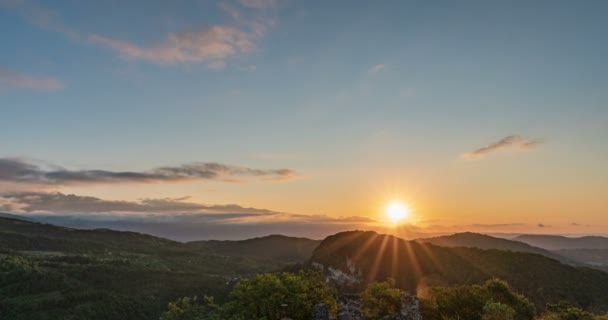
(410,309)
(320,312)
(349,308)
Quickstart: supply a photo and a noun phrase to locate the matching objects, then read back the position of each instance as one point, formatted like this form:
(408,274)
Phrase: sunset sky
(246,117)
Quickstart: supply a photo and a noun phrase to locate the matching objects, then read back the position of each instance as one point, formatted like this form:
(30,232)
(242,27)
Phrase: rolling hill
(482,241)
(358,257)
(597,258)
(51,272)
(552,242)
(278,248)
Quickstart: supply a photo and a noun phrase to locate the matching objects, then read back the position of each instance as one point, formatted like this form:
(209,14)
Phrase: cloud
(177,219)
(496,225)
(15,80)
(20,171)
(71,203)
(377,69)
(259,4)
(212,46)
(513,142)
(251,20)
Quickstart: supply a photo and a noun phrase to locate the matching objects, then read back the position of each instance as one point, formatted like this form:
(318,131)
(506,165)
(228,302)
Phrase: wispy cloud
(10,79)
(21,171)
(251,20)
(513,142)
(260,4)
(212,46)
(377,69)
(71,203)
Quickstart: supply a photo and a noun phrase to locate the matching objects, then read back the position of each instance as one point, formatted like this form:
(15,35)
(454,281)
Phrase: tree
(477,302)
(499,291)
(565,311)
(272,296)
(380,299)
(498,311)
(192,308)
(458,303)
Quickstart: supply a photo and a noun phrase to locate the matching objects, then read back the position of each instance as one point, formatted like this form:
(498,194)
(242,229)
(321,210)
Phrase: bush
(498,311)
(380,299)
(192,309)
(565,311)
(272,296)
(488,301)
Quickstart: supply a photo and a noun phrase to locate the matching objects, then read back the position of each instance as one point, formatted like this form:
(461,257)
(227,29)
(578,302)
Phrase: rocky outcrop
(320,312)
(410,309)
(349,308)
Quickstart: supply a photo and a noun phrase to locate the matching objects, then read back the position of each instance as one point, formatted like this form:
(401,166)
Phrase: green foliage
(273,296)
(566,311)
(380,299)
(52,286)
(192,309)
(497,311)
(49,272)
(493,300)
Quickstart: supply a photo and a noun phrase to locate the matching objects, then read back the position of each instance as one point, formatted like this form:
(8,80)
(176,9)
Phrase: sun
(396,211)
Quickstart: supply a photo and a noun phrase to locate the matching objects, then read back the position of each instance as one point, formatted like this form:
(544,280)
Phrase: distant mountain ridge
(553,242)
(358,257)
(486,242)
(26,235)
(273,247)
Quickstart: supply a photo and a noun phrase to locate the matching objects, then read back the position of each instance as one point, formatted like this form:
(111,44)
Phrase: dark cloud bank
(21,171)
(176,219)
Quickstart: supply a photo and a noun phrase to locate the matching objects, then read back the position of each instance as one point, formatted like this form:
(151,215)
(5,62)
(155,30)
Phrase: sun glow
(396,211)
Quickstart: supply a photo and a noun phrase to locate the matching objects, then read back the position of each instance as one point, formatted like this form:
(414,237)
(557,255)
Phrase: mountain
(51,272)
(482,241)
(25,235)
(552,242)
(278,248)
(598,258)
(14,216)
(355,258)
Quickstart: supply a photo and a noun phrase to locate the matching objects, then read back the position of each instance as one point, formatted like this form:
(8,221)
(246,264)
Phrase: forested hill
(273,247)
(51,272)
(553,242)
(369,256)
(482,241)
(23,235)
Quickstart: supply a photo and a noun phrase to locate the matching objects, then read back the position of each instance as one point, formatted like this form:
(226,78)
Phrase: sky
(239,118)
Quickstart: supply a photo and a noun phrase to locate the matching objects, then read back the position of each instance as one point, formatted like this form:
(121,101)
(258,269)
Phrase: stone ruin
(349,308)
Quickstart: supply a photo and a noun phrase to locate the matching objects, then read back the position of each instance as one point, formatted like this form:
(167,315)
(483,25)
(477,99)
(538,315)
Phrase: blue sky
(364,100)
